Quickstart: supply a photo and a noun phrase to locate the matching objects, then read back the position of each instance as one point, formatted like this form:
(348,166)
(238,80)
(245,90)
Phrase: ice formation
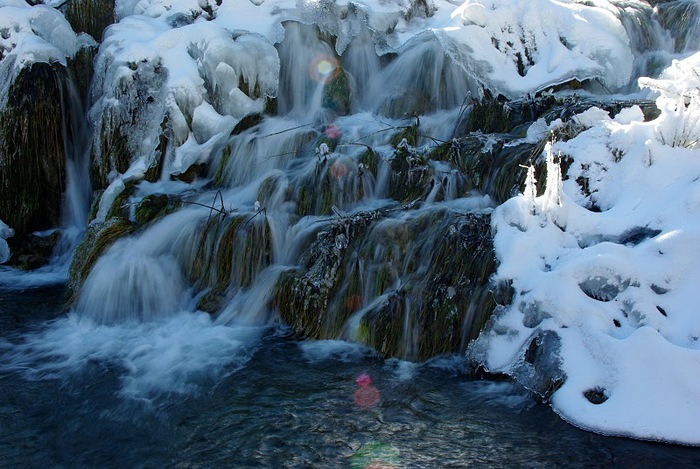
(31,34)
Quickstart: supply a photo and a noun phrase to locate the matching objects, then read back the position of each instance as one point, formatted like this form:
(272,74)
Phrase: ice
(32,34)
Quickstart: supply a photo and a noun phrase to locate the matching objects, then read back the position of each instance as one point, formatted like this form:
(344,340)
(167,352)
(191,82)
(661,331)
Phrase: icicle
(552,193)
(530,191)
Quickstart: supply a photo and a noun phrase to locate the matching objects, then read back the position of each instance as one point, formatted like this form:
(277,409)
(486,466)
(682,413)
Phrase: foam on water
(179,354)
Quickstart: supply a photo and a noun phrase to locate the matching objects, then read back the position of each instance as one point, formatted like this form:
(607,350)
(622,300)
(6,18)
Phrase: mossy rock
(337,94)
(489,116)
(90,16)
(410,176)
(303,296)
(444,291)
(98,238)
(248,122)
(32,155)
(154,207)
(370,160)
(30,251)
(410,133)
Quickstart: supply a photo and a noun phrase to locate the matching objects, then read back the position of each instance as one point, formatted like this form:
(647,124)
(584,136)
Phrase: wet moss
(98,238)
(219,176)
(32,155)
(410,133)
(410,176)
(337,94)
(303,296)
(370,161)
(120,205)
(489,116)
(249,121)
(154,207)
(90,16)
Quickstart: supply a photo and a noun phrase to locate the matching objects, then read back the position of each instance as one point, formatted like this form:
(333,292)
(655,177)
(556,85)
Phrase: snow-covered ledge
(605,272)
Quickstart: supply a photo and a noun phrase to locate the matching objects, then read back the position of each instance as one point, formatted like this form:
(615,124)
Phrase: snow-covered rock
(611,269)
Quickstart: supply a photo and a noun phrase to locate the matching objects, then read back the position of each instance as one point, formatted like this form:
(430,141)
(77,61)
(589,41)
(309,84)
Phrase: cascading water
(355,204)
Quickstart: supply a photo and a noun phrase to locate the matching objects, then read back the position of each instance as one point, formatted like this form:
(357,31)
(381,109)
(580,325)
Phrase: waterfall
(77,140)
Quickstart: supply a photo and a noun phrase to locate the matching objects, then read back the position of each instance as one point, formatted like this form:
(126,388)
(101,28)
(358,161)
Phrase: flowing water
(136,374)
(184,392)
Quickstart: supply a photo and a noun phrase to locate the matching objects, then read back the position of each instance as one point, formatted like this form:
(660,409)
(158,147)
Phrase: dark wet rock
(31,251)
(596,395)
(32,152)
(90,16)
(98,238)
(635,236)
(604,288)
(539,366)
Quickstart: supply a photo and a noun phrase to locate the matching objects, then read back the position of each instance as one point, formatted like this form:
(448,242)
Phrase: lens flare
(323,68)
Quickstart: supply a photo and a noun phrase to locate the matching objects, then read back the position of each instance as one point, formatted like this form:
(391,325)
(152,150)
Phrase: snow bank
(31,34)
(604,270)
(525,46)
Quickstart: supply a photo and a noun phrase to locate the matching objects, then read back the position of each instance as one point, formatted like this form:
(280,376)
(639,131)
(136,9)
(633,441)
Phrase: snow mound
(529,45)
(32,34)
(177,73)
(604,271)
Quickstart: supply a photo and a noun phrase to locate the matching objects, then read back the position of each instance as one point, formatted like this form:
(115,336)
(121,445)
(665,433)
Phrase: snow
(616,285)
(33,34)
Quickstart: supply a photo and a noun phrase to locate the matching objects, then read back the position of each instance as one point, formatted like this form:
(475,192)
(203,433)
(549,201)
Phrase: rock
(32,154)
(30,251)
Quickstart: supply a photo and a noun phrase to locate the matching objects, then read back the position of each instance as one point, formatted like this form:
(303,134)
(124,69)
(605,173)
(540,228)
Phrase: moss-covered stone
(32,155)
(337,94)
(410,176)
(302,296)
(153,207)
(443,300)
(489,116)
(98,238)
(90,16)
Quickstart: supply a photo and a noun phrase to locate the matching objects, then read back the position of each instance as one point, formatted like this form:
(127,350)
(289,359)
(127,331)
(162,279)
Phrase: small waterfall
(682,19)
(77,140)
(307,64)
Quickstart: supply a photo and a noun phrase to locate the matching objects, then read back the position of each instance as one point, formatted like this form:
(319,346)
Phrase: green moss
(410,133)
(219,177)
(90,16)
(32,155)
(97,239)
(489,116)
(154,207)
(337,94)
(370,160)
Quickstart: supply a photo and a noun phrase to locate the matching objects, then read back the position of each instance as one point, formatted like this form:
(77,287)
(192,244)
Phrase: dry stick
(263,210)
